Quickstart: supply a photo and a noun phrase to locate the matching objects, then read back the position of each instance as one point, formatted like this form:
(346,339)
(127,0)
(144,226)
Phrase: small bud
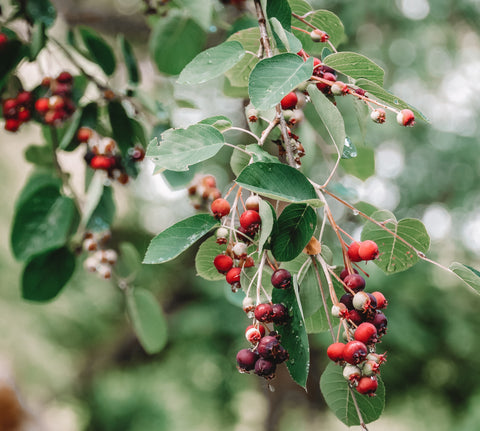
(319,35)
(378,115)
(406,118)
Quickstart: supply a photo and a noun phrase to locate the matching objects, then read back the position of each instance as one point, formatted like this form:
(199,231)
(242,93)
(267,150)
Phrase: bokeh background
(75,363)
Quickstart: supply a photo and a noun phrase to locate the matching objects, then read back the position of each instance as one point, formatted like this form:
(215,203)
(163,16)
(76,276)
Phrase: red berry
(264,312)
(246,360)
(24,115)
(366,333)
(65,78)
(223,263)
(3,40)
(249,262)
(355,317)
(367,386)
(253,334)
(84,134)
(42,105)
(322,86)
(233,276)
(355,352)
(354,282)
(102,162)
(289,101)
(353,252)
(268,347)
(220,207)
(381,301)
(406,118)
(249,218)
(335,351)
(24,98)
(10,108)
(12,124)
(281,279)
(368,250)
(345,272)
(280,314)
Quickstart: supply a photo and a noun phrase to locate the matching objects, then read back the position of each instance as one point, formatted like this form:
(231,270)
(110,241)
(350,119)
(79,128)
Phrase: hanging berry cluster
(202,191)
(100,259)
(17,110)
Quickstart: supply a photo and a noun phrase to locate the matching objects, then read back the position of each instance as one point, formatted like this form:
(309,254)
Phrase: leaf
(42,222)
(220,122)
(329,115)
(40,155)
(175,40)
(395,255)
(179,180)
(293,231)
(12,54)
(272,78)
(99,50)
(387,97)
(316,322)
(337,395)
(168,244)
(212,63)
(278,181)
(148,320)
(355,66)
(469,275)
(269,218)
(122,128)
(130,60)
(41,11)
(71,131)
(280,9)
(37,180)
(363,165)
(283,38)
(260,155)
(180,148)
(300,7)
(129,261)
(204,259)
(46,274)
(200,11)
(349,149)
(293,336)
(239,161)
(38,40)
(104,213)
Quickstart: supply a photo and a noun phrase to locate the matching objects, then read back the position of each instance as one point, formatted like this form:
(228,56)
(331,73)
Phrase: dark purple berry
(281,279)
(344,273)
(373,301)
(281,356)
(355,282)
(268,347)
(380,322)
(264,312)
(246,360)
(280,314)
(265,368)
(347,300)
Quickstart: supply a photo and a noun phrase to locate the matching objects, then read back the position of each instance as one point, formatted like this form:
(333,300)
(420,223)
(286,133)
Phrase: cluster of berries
(365,325)
(202,191)
(100,259)
(17,111)
(266,352)
(56,105)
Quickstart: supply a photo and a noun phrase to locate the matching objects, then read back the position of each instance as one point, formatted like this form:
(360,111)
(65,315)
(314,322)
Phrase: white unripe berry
(253,203)
(240,250)
(352,373)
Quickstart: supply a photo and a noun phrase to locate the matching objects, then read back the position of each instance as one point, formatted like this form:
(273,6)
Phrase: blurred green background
(76,363)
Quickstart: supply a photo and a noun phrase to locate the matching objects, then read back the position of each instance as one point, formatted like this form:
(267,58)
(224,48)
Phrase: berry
(406,118)
(24,115)
(3,40)
(280,314)
(265,368)
(361,301)
(249,262)
(289,101)
(264,312)
(240,250)
(42,105)
(378,115)
(319,35)
(84,134)
(353,252)
(339,88)
(246,360)
(352,373)
(347,299)
(366,333)
(355,352)
(322,86)
(252,115)
(375,357)
(370,368)
(65,78)
(339,310)
(101,162)
(355,317)
(368,250)
(221,234)
(10,108)
(253,335)
(12,124)
(220,207)
(380,322)
(360,91)
(381,301)
(367,386)
(354,282)
(253,203)
(268,347)
(233,276)
(223,263)
(281,279)
(248,304)
(345,272)
(335,351)
(24,98)
(249,218)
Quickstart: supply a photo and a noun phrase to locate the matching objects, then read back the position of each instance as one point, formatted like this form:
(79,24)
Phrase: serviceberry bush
(269,233)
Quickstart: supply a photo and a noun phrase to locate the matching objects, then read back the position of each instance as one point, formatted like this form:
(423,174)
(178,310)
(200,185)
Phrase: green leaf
(99,50)
(42,222)
(12,54)
(278,181)
(239,161)
(45,275)
(269,218)
(200,11)
(293,231)
(220,122)
(104,213)
(204,259)
(355,66)
(37,180)
(176,39)
(41,11)
(122,128)
(280,9)
(316,322)
(363,165)
(147,319)
(469,275)
(338,397)
(329,115)
(395,255)
(129,261)
(260,155)
(68,139)
(38,40)
(283,38)
(272,78)
(168,244)
(294,336)
(212,63)
(349,149)
(180,148)
(300,7)
(130,60)
(387,97)
(40,155)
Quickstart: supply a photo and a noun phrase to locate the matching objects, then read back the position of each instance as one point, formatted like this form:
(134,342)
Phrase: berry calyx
(368,250)
(354,282)
(289,101)
(246,360)
(281,279)
(355,352)
(367,386)
(406,118)
(366,333)
(220,208)
(353,252)
(264,312)
(335,351)
(223,263)
(233,276)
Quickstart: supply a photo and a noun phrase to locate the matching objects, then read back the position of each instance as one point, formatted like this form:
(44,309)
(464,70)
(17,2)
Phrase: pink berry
(406,118)
(381,301)
(249,218)
(368,250)
(253,335)
(220,208)
(253,203)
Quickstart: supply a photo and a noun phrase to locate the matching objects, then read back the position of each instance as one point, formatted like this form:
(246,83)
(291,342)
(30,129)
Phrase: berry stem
(324,300)
(302,19)
(268,130)
(300,29)
(244,131)
(259,279)
(357,408)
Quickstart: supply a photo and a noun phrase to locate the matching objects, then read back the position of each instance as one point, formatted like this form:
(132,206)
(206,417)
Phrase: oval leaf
(467,274)
(277,181)
(294,336)
(280,9)
(212,63)
(45,275)
(180,148)
(272,78)
(204,259)
(355,66)
(268,217)
(395,255)
(99,50)
(130,60)
(148,320)
(338,397)
(129,262)
(122,128)
(168,244)
(293,231)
